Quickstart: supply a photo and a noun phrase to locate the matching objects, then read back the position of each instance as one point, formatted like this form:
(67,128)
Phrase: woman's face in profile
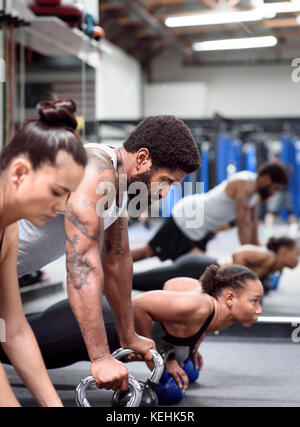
(247,303)
(290,256)
(45,191)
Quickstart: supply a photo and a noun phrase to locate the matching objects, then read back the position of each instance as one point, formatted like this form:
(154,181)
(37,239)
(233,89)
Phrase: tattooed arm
(84,233)
(117,267)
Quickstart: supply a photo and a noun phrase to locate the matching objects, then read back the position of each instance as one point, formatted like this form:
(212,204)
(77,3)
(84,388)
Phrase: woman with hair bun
(227,295)
(278,253)
(222,297)
(39,168)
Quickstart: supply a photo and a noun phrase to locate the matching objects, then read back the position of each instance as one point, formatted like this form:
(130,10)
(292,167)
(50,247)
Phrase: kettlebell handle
(88,382)
(157,372)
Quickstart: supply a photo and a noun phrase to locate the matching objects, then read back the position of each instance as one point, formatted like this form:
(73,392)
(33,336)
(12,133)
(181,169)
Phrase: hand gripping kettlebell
(149,397)
(134,392)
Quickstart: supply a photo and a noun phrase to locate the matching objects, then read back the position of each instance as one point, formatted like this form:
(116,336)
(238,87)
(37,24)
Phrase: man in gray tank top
(197,218)
(93,233)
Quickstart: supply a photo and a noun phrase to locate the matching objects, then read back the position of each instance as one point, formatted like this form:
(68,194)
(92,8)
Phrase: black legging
(59,337)
(188,265)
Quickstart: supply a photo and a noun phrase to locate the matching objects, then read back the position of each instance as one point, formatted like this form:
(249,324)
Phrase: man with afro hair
(93,234)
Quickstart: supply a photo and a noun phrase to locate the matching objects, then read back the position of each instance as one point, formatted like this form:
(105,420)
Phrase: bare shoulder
(205,304)
(10,240)
(182,284)
(98,180)
(99,160)
(196,303)
(251,248)
(240,186)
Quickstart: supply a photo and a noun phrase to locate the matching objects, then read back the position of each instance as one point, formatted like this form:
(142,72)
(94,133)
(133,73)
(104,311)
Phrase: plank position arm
(20,344)
(118,271)
(85,277)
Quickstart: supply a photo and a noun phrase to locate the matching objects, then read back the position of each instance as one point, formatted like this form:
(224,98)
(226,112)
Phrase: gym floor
(237,371)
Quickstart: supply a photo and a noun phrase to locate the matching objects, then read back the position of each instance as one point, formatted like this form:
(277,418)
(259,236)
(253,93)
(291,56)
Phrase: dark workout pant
(189,265)
(57,331)
(59,337)
(169,242)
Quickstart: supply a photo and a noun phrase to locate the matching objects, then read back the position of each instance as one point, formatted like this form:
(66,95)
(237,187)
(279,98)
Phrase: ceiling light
(211,18)
(282,7)
(230,44)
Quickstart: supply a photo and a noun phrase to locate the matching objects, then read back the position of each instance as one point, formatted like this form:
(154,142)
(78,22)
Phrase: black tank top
(189,341)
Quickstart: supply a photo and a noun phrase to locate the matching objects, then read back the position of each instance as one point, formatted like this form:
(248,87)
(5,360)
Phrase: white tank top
(113,212)
(198,214)
(39,246)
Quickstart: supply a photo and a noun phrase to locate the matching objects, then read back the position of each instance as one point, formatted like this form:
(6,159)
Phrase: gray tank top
(39,246)
(198,214)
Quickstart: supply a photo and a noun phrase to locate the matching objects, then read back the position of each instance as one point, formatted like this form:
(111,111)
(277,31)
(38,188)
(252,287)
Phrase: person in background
(279,253)
(195,218)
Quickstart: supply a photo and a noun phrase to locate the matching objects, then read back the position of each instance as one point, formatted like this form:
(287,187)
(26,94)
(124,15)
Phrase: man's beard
(144,178)
(264,192)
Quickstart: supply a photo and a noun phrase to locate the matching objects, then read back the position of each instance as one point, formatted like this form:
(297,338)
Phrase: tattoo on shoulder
(84,203)
(104,167)
(77,264)
(99,162)
(75,220)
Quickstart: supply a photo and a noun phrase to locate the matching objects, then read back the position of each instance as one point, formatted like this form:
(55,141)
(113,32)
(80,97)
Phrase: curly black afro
(169,141)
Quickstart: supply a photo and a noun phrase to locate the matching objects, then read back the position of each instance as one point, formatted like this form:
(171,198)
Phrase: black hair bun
(208,278)
(60,113)
(272,244)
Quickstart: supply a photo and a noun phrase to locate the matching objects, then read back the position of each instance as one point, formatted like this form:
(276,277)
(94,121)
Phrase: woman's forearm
(24,353)
(7,397)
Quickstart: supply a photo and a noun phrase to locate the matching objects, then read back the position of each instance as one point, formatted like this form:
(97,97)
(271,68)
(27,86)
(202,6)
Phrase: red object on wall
(48,2)
(72,15)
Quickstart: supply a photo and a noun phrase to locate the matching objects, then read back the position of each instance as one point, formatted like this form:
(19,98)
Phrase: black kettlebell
(88,382)
(149,398)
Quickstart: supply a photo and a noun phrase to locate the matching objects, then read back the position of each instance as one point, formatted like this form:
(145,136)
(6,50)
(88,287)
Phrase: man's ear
(142,158)
(19,168)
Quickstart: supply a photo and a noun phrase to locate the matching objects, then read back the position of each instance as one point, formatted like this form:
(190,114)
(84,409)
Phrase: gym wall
(118,85)
(187,100)
(232,91)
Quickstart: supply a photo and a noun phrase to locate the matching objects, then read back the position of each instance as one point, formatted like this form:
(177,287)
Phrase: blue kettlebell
(167,391)
(190,370)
